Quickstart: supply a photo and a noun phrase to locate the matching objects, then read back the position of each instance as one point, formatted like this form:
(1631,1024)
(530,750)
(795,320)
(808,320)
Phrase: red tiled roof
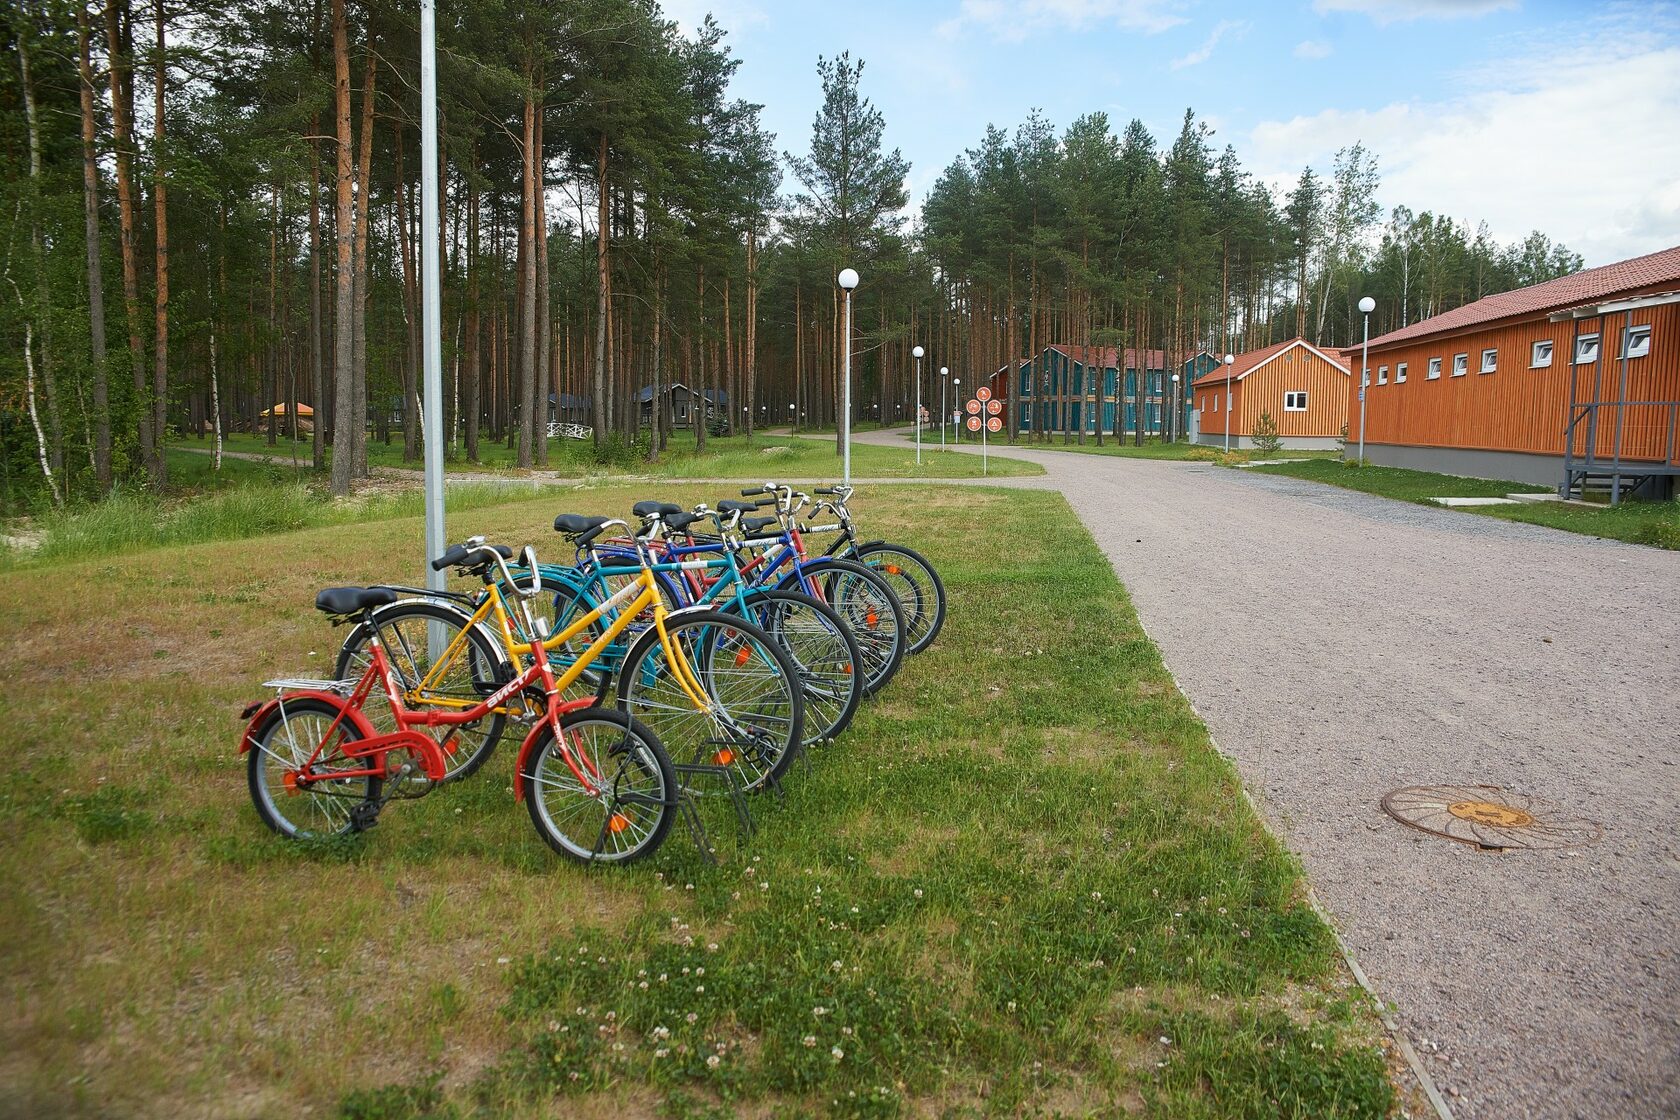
(1587,286)
(1254,359)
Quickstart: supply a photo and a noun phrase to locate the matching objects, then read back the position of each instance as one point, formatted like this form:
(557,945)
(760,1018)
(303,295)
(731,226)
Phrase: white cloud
(1574,139)
(1014,20)
(1399,11)
(1312,48)
(1204,52)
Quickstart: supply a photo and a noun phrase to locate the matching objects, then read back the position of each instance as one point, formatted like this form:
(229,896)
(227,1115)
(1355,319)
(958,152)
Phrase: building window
(1541,355)
(1434,369)
(1461,364)
(1400,374)
(1216,402)
(1586,350)
(1295,402)
(1382,375)
(1490,360)
(1636,341)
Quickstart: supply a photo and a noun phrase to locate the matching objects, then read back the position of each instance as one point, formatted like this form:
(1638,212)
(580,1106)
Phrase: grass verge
(1023,884)
(724,457)
(1651,523)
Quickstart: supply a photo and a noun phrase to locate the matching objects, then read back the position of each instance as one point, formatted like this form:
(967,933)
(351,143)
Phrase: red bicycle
(596,781)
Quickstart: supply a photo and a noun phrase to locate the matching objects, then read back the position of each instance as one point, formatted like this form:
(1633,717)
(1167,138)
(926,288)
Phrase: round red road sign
(995,424)
(973,408)
(994,407)
(983,393)
(974,423)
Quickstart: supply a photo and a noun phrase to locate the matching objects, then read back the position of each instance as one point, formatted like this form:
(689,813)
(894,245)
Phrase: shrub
(1265,436)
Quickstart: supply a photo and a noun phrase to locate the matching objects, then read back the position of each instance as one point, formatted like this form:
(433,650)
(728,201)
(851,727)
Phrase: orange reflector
(892,569)
(618,823)
(723,757)
(451,744)
(848,669)
(742,656)
(872,618)
(290,781)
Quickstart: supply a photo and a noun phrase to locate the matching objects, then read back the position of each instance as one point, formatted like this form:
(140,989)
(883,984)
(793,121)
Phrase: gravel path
(1340,645)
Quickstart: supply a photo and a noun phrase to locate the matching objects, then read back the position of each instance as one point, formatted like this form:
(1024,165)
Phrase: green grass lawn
(724,457)
(1023,884)
(1652,523)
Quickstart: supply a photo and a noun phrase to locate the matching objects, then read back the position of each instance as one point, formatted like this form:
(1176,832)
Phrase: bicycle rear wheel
(470,668)
(626,808)
(916,585)
(279,749)
(825,652)
(751,717)
(868,607)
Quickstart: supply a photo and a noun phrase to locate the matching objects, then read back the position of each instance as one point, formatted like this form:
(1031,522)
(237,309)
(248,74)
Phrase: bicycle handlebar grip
(752,490)
(826,490)
(457,554)
(585,539)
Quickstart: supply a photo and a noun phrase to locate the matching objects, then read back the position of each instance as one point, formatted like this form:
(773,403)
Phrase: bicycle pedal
(364,815)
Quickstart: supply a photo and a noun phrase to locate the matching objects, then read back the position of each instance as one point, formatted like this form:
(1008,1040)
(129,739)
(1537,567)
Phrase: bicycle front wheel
(603,790)
(749,713)
(282,746)
(438,662)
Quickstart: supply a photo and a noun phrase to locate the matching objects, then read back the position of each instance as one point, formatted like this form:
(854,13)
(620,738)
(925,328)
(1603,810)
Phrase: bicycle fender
(561,708)
(256,714)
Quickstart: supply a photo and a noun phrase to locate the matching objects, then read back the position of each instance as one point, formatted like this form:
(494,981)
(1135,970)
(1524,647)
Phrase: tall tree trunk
(160,199)
(95,264)
(363,215)
(345,420)
(412,342)
(471,406)
(697,390)
(317,377)
(527,283)
(546,381)
(750,379)
(603,298)
(120,48)
(43,293)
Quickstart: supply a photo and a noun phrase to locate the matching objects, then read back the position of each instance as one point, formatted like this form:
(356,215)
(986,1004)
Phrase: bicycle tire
(653,806)
(755,729)
(486,669)
(917,585)
(824,649)
(868,606)
(334,801)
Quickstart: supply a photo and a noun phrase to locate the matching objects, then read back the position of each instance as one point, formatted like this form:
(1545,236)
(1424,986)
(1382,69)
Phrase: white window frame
(1461,364)
(1535,360)
(1382,375)
(1216,402)
(1630,334)
(1587,348)
(1400,373)
(1292,394)
(1434,370)
(1490,360)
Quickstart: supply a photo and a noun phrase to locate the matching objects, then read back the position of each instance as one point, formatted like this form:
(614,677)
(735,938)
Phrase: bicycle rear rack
(311,684)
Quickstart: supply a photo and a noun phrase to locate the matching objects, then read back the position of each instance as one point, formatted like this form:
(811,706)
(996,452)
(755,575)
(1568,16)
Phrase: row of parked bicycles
(699,651)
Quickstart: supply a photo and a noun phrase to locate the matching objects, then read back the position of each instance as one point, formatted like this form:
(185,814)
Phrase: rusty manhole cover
(1489,817)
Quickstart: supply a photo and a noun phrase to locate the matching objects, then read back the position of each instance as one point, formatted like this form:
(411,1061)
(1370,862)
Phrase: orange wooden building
(1574,382)
(1302,388)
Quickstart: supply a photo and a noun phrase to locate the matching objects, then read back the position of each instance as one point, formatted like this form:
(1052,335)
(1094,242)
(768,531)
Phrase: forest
(209,224)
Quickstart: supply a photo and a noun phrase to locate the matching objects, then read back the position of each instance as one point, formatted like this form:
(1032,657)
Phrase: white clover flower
(810,1041)
(838,1053)
(713,1061)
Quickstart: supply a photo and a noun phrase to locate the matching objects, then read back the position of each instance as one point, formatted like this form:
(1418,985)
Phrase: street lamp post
(917,353)
(1366,306)
(956,387)
(1175,409)
(848,280)
(1229,360)
(944,410)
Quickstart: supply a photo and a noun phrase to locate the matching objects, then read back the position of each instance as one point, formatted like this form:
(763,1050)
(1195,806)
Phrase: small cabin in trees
(1303,389)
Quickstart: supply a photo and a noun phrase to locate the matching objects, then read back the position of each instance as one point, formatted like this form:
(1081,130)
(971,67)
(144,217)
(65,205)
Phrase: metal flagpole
(431,312)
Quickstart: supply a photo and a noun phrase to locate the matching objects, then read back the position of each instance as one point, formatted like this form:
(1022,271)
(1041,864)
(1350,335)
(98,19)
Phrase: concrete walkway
(1341,645)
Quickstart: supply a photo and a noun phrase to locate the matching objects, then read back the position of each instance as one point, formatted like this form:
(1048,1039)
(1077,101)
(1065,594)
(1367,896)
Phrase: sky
(1528,115)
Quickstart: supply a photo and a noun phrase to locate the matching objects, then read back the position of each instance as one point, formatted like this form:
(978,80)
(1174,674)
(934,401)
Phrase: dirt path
(1341,645)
